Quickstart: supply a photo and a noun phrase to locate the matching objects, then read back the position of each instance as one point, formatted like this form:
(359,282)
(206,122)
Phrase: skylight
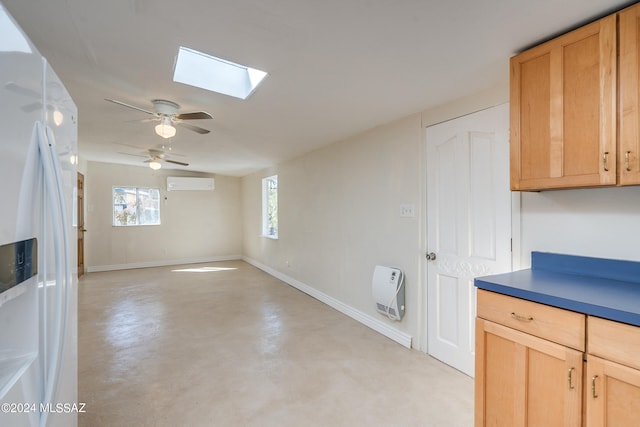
(215,74)
(12,39)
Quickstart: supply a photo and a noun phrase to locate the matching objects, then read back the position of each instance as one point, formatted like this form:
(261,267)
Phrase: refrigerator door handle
(55,197)
(66,282)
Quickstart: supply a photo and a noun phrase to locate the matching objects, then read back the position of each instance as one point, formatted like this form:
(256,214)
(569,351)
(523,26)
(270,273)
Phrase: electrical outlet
(407,211)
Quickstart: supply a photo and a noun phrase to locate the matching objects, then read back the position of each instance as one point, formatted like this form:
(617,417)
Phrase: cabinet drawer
(614,341)
(554,324)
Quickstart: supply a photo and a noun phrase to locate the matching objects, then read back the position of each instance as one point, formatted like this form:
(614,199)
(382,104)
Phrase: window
(136,206)
(270,207)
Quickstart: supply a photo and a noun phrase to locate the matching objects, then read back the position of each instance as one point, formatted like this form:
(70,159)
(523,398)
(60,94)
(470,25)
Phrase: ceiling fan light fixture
(58,117)
(165,129)
(155,165)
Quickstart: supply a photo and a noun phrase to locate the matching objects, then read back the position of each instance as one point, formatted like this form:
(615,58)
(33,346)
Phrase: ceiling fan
(158,156)
(166,112)
(58,101)
(155,158)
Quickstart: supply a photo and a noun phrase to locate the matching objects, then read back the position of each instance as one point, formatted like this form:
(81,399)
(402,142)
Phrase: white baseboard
(97,268)
(375,324)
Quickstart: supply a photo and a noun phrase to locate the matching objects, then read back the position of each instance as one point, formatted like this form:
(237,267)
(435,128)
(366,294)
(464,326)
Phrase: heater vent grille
(384,308)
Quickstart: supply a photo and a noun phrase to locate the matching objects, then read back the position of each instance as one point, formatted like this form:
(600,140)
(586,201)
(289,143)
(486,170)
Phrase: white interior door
(468,225)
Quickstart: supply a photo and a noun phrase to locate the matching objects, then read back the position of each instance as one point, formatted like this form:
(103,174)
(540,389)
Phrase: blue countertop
(594,286)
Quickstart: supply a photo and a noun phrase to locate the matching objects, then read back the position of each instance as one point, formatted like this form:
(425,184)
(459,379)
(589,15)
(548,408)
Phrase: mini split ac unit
(188,183)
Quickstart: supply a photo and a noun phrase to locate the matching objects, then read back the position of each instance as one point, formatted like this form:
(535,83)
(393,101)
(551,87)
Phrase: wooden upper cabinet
(629,63)
(563,110)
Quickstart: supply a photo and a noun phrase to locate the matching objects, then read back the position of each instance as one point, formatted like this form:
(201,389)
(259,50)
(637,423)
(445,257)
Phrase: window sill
(270,237)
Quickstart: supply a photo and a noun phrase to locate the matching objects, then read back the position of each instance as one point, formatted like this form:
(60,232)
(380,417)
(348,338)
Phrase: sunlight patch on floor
(203,269)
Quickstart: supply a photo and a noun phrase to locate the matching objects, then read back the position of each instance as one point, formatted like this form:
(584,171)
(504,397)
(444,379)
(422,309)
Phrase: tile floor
(224,344)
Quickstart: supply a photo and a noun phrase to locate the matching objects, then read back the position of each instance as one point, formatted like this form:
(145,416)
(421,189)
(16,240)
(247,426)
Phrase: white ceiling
(336,68)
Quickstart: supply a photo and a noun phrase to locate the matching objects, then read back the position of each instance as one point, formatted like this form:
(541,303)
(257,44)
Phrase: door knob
(431,256)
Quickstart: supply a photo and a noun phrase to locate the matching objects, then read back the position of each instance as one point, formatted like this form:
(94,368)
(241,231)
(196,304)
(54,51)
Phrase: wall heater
(388,291)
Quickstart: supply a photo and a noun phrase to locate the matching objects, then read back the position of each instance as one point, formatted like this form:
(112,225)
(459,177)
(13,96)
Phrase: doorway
(81,229)
(468,225)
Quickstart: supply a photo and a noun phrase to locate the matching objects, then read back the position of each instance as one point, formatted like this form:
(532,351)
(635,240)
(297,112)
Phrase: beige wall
(196,225)
(339,216)
(490,97)
(602,223)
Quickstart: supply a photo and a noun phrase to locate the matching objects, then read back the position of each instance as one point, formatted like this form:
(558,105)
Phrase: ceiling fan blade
(193,128)
(130,106)
(14,87)
(30,108)
(194,116)
(131,154)
(131,145)
(176,162)
(174,154)
(152,119)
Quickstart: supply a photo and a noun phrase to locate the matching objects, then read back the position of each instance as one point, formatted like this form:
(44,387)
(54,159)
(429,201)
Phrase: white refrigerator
(38,246)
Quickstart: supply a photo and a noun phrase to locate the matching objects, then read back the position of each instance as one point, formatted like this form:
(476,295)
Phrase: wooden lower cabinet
(613,374)
(613,394)
(523,380)
(530,372)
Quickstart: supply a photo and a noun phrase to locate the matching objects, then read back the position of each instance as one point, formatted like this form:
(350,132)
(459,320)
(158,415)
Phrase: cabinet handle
(593,386)
(626,161)
(570,378)
(521,318)
(605,158)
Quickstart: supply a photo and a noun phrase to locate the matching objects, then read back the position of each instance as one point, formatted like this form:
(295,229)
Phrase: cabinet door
(563,111)
(613,396)
(629,64)
(522,380)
